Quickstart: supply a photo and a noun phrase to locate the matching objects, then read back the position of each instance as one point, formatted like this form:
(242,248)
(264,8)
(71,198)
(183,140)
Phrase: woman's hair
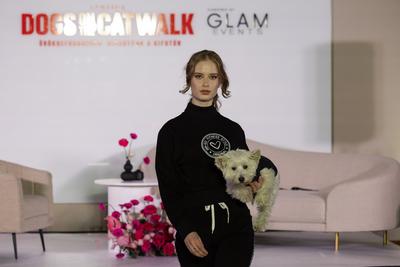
(222,76)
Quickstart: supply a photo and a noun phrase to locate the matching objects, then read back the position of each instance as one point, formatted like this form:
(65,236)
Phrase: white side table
(120,192)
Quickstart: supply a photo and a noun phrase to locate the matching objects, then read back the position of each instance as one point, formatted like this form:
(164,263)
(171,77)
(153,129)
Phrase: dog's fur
(239,169)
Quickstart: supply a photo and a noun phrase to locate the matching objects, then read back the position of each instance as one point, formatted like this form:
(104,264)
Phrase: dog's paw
(244,194)
(245,198)
(259,228)
(268,173)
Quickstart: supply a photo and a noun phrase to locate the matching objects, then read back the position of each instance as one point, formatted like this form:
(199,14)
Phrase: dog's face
(238,166)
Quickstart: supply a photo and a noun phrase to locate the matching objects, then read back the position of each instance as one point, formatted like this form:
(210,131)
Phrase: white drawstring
(207,208)
(224,206)
(212,216)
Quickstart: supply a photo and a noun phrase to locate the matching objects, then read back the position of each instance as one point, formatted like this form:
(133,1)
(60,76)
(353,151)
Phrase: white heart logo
(215,145)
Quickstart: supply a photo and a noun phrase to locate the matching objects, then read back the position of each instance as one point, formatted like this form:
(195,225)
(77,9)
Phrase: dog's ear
(220,162)
(255,155)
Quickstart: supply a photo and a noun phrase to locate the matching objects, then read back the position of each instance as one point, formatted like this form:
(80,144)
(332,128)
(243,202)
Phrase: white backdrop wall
(64,107)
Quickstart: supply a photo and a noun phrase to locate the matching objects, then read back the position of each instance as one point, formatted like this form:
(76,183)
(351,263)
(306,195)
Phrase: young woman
(213,229)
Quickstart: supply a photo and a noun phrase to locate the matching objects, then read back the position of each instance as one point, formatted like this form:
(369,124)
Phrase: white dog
(239,168)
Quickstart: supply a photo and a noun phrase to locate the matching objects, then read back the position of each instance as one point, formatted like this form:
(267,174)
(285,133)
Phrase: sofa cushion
(298,206)
(35,205)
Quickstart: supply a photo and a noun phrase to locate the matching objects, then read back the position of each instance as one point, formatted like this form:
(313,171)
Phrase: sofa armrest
(36,175)
(366,202)
(43,184)
(11,199)
(41,179)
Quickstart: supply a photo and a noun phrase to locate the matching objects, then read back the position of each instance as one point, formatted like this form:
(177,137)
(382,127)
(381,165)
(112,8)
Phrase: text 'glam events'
(228,21)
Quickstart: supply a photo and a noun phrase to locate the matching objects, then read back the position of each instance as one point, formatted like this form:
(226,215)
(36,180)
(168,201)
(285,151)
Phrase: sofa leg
(385,237)
(337,241)
(42,239)
(14,238)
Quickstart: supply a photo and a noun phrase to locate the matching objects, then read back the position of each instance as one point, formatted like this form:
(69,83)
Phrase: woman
(213,229)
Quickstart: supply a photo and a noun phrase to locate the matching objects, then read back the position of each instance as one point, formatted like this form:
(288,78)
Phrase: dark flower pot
(128,175)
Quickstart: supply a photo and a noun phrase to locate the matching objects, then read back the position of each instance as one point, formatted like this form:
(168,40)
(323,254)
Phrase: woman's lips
(204,92)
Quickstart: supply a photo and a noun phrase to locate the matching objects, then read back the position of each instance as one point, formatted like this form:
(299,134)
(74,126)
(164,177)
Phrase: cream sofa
(352,192)
(26,200)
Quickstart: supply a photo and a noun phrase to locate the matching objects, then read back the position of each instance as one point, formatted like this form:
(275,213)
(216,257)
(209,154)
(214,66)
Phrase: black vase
(138,174)
(128,175)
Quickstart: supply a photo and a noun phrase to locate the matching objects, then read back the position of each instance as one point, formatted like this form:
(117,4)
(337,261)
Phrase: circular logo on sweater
(214,145)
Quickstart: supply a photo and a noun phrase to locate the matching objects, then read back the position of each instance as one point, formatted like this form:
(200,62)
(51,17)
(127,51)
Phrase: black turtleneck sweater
(186,148)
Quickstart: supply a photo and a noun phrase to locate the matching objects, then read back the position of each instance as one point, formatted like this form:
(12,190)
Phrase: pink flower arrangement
(124,143)
(141,233)
(128,153)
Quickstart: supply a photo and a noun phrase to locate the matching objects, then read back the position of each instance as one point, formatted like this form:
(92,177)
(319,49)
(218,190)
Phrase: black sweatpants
(228,243)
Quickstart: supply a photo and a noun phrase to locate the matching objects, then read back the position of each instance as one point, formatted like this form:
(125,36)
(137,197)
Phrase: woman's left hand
(255,186)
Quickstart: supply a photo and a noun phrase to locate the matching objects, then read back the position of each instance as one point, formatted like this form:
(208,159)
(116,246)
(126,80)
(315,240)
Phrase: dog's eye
(244,166)
(233,168)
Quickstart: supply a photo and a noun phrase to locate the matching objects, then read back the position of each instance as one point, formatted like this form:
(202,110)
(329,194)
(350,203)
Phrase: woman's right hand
(195,245)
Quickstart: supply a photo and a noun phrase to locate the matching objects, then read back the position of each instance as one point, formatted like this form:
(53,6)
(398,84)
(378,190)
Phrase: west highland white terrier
(239,168)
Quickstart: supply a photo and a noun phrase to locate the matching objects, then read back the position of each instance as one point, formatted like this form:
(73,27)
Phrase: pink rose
(117,232)
(149,209)
(148,198)
(146,160)
(162,226)
(123,142)
(102,206)
(116,214)
(169,249)
(135,202)
(139,234)
(155,218)
(113,223)
(136,224)
(146,246)
(120,255)
(148,227)
(128,205)
(158,240)
(123,241)
(133,136)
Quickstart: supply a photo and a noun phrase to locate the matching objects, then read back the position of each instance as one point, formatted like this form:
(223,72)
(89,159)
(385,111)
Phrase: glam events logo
(111,21)
(228,21)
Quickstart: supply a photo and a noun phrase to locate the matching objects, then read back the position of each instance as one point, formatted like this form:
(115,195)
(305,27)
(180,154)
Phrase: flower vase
(138,174)
(128,175)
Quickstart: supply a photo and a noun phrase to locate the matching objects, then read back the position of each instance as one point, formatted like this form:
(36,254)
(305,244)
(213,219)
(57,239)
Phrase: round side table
(120,192)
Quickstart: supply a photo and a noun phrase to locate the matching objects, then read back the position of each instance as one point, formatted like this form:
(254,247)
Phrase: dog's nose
(241,179)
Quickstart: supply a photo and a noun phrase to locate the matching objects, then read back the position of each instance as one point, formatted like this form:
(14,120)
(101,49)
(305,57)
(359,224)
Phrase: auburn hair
(222,76)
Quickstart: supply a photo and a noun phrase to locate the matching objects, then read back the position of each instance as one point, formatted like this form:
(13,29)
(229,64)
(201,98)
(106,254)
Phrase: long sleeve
(169,185)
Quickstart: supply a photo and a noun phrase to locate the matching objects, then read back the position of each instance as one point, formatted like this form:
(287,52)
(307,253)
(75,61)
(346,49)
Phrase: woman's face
(204,83)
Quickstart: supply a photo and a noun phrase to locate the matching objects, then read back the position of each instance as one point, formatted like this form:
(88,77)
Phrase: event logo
(214,145)
(224,21)
(107,24)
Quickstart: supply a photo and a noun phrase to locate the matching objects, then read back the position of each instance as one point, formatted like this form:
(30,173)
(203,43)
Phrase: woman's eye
(213,77)
(198,76)
(244,166)
(233,168)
